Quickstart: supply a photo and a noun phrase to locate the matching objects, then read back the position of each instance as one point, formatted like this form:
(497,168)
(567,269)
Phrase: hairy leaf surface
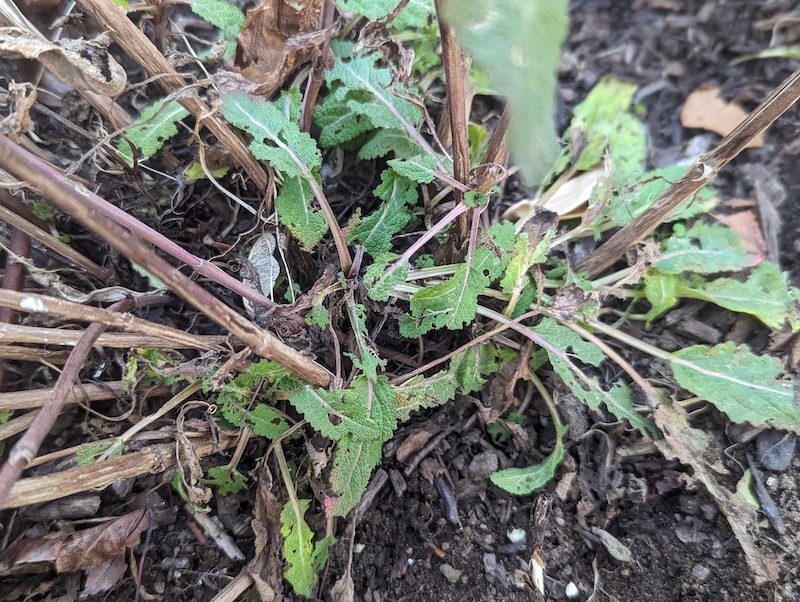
(156,124)
(524,481)
(298,547)
(297,211)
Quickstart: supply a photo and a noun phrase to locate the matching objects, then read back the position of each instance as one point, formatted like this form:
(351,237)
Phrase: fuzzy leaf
(617,400)
(298,548)
(380,281)
(156,125)
(375,231)
(747,387)
(420,169)
(703,249)
(266,422)
(519,44)
(524,481)
(371,9)
(226,17)
(389,140)
(341,122)
(275,138)
(331,414)
(764,294)
(354,73)
(526,254)
(227,480)
(454,302)
(354,459)
(295,210)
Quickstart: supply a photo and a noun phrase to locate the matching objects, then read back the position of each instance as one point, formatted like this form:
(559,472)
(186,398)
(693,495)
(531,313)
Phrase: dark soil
(438,529)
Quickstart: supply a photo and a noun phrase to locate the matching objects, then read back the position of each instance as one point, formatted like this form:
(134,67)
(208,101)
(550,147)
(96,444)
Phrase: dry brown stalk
(30,302)
(80,393)
(14,333)
(71,197)
(24,450)
(32,354)
(137,45)
(153,460)
(698,176)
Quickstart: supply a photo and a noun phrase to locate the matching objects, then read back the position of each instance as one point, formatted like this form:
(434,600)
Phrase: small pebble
(571,591)
(516,535)
(700,572)
(450,573)
(482,465)
(775,449)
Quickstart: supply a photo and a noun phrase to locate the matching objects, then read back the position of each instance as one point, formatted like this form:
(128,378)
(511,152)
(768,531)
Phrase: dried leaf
(745,225)
(278,37)
(102,578)
(80,550)
(21,97)
(84,65)
(705,109)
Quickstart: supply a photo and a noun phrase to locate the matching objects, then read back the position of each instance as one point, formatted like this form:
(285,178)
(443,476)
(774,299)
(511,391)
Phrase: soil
(438,530)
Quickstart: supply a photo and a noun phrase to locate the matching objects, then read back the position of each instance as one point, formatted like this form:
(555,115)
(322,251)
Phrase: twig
(24,450)
(72,198)
(455,81)
(82,393)
(153,460)
(19,245)
(699,175)
(14,333)
(317,75)
(767,504)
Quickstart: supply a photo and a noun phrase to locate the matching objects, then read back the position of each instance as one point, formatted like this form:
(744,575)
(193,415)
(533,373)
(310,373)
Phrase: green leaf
(747,387)
(361,73)
(298,548)
(226,17)
(355,458)
(617,400)
(764,294)
(296,211)
(330,413)
(703,249)
(156,125)
(375,231)
(227,480)
(420,169)
(275,138)
(527,253)
(389,140)
(524,481)
(341,122)
(661,291)
(266,422)
(380,281)
(88,453)
(519,44)
(454,302)
(371,9)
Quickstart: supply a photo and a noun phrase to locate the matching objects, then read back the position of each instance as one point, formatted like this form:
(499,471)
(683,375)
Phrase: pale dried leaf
(264,262)
(745,225)
(614,546)
(84,65)
(21,97)
(100,579)
(704,109)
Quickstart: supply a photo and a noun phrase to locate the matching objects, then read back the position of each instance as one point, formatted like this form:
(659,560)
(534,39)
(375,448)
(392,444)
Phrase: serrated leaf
(354,459)
(341,122)
(227,480)
(275,138)
(527,253)
(298,547)
(703,249)
(266,422)
(361,73)
(156,125)
(296,211)
(519,44)
(334,416)
(453,303)
(88,453)
(375,231)
(524,481)
(226,17)
(380,281)
(746,387)
(420,169)
(503,235)
(389,140)
(566,343)
(764,294)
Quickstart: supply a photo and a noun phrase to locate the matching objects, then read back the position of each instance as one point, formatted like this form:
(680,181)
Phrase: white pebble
(571,591)
(516,535)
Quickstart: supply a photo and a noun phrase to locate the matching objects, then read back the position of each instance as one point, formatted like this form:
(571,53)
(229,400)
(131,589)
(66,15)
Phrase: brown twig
(699,175)
(144,52)
(71,198)
(317,75)
(24,450)
(83,393)
(14,333)
(457,107)
(19,245)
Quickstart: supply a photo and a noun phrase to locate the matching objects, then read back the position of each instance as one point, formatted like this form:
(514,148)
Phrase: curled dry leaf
(76,551)
(278,37)
(705,109)
(84,65)
(21,98)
